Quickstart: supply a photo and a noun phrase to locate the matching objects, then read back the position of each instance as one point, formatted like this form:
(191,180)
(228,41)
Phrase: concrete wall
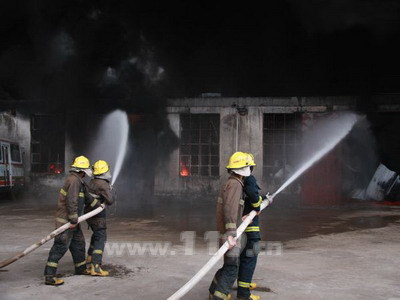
(237,133)
(245,132)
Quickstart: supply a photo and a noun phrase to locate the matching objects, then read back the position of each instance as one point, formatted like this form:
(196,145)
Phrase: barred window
(199,145)
(281,143)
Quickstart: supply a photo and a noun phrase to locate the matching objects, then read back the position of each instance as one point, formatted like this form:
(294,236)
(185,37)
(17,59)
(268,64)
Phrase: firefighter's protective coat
(230,206)
(71,200)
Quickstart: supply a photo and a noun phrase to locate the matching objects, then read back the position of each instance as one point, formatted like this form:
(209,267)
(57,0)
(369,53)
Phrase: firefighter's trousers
(73,240)
(225,277)
(98,239)
(247,265)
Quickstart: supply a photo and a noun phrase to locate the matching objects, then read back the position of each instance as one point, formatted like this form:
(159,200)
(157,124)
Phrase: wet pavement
(349,251)
(278,222)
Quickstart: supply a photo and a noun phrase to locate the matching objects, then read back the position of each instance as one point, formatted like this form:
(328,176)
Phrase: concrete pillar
(244,131)
(251,136)
(227,137)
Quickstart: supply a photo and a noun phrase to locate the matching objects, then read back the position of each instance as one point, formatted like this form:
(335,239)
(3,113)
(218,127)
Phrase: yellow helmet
(250,157)
(100,167)
(238,160)
(81,162)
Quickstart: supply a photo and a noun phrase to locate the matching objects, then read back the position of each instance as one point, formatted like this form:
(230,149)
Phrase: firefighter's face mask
(242,171)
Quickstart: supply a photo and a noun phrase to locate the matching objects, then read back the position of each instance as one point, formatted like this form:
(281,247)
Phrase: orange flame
(55,169)
(184,170)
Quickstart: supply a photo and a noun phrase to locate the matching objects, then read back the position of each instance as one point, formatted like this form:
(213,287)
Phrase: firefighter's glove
(94,196)
(231,241)
(244,218)
(269,198)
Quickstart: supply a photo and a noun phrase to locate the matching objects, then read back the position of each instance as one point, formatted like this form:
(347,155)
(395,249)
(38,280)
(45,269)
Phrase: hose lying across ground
(49,237)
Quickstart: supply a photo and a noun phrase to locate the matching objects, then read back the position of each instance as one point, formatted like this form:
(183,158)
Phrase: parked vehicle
(11,166)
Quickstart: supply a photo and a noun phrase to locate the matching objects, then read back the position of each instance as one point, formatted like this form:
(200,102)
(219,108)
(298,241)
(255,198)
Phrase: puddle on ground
(121,271)
(278,223)
(116,271)
(264,289)
(260,289)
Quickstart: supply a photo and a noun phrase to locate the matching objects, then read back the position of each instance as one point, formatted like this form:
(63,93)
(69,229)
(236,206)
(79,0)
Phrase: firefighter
(101,189)
(71,201)
(229,216)
(248,256)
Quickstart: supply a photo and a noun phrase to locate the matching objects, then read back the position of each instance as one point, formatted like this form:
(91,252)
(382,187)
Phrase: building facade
(210,129)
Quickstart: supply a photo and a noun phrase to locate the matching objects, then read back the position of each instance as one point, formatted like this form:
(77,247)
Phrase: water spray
(121,152)
(122,148)
(347,123)
(110,144)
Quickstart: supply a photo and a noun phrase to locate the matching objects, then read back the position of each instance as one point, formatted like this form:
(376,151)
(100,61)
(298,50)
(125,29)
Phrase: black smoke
(78,54)
(85,52)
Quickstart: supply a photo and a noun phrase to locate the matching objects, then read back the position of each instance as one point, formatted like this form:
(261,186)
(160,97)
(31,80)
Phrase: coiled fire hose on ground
(50,236)
(219,254)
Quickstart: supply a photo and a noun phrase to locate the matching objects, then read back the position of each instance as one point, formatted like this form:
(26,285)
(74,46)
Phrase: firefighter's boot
(82,271)
(252,286)
(96,270)
(88,263)
(52,280)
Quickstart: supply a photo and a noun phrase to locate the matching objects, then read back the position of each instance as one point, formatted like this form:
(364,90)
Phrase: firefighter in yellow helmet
(229,216)
(71,201)
(102,192)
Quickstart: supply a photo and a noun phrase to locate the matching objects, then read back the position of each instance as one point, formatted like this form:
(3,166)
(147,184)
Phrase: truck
(11,166)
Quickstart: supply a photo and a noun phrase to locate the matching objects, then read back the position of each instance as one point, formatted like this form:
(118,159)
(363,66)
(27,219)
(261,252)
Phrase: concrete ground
(344,252)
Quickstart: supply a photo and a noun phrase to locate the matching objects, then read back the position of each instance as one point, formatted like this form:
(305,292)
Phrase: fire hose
(219,254)
(49,237)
